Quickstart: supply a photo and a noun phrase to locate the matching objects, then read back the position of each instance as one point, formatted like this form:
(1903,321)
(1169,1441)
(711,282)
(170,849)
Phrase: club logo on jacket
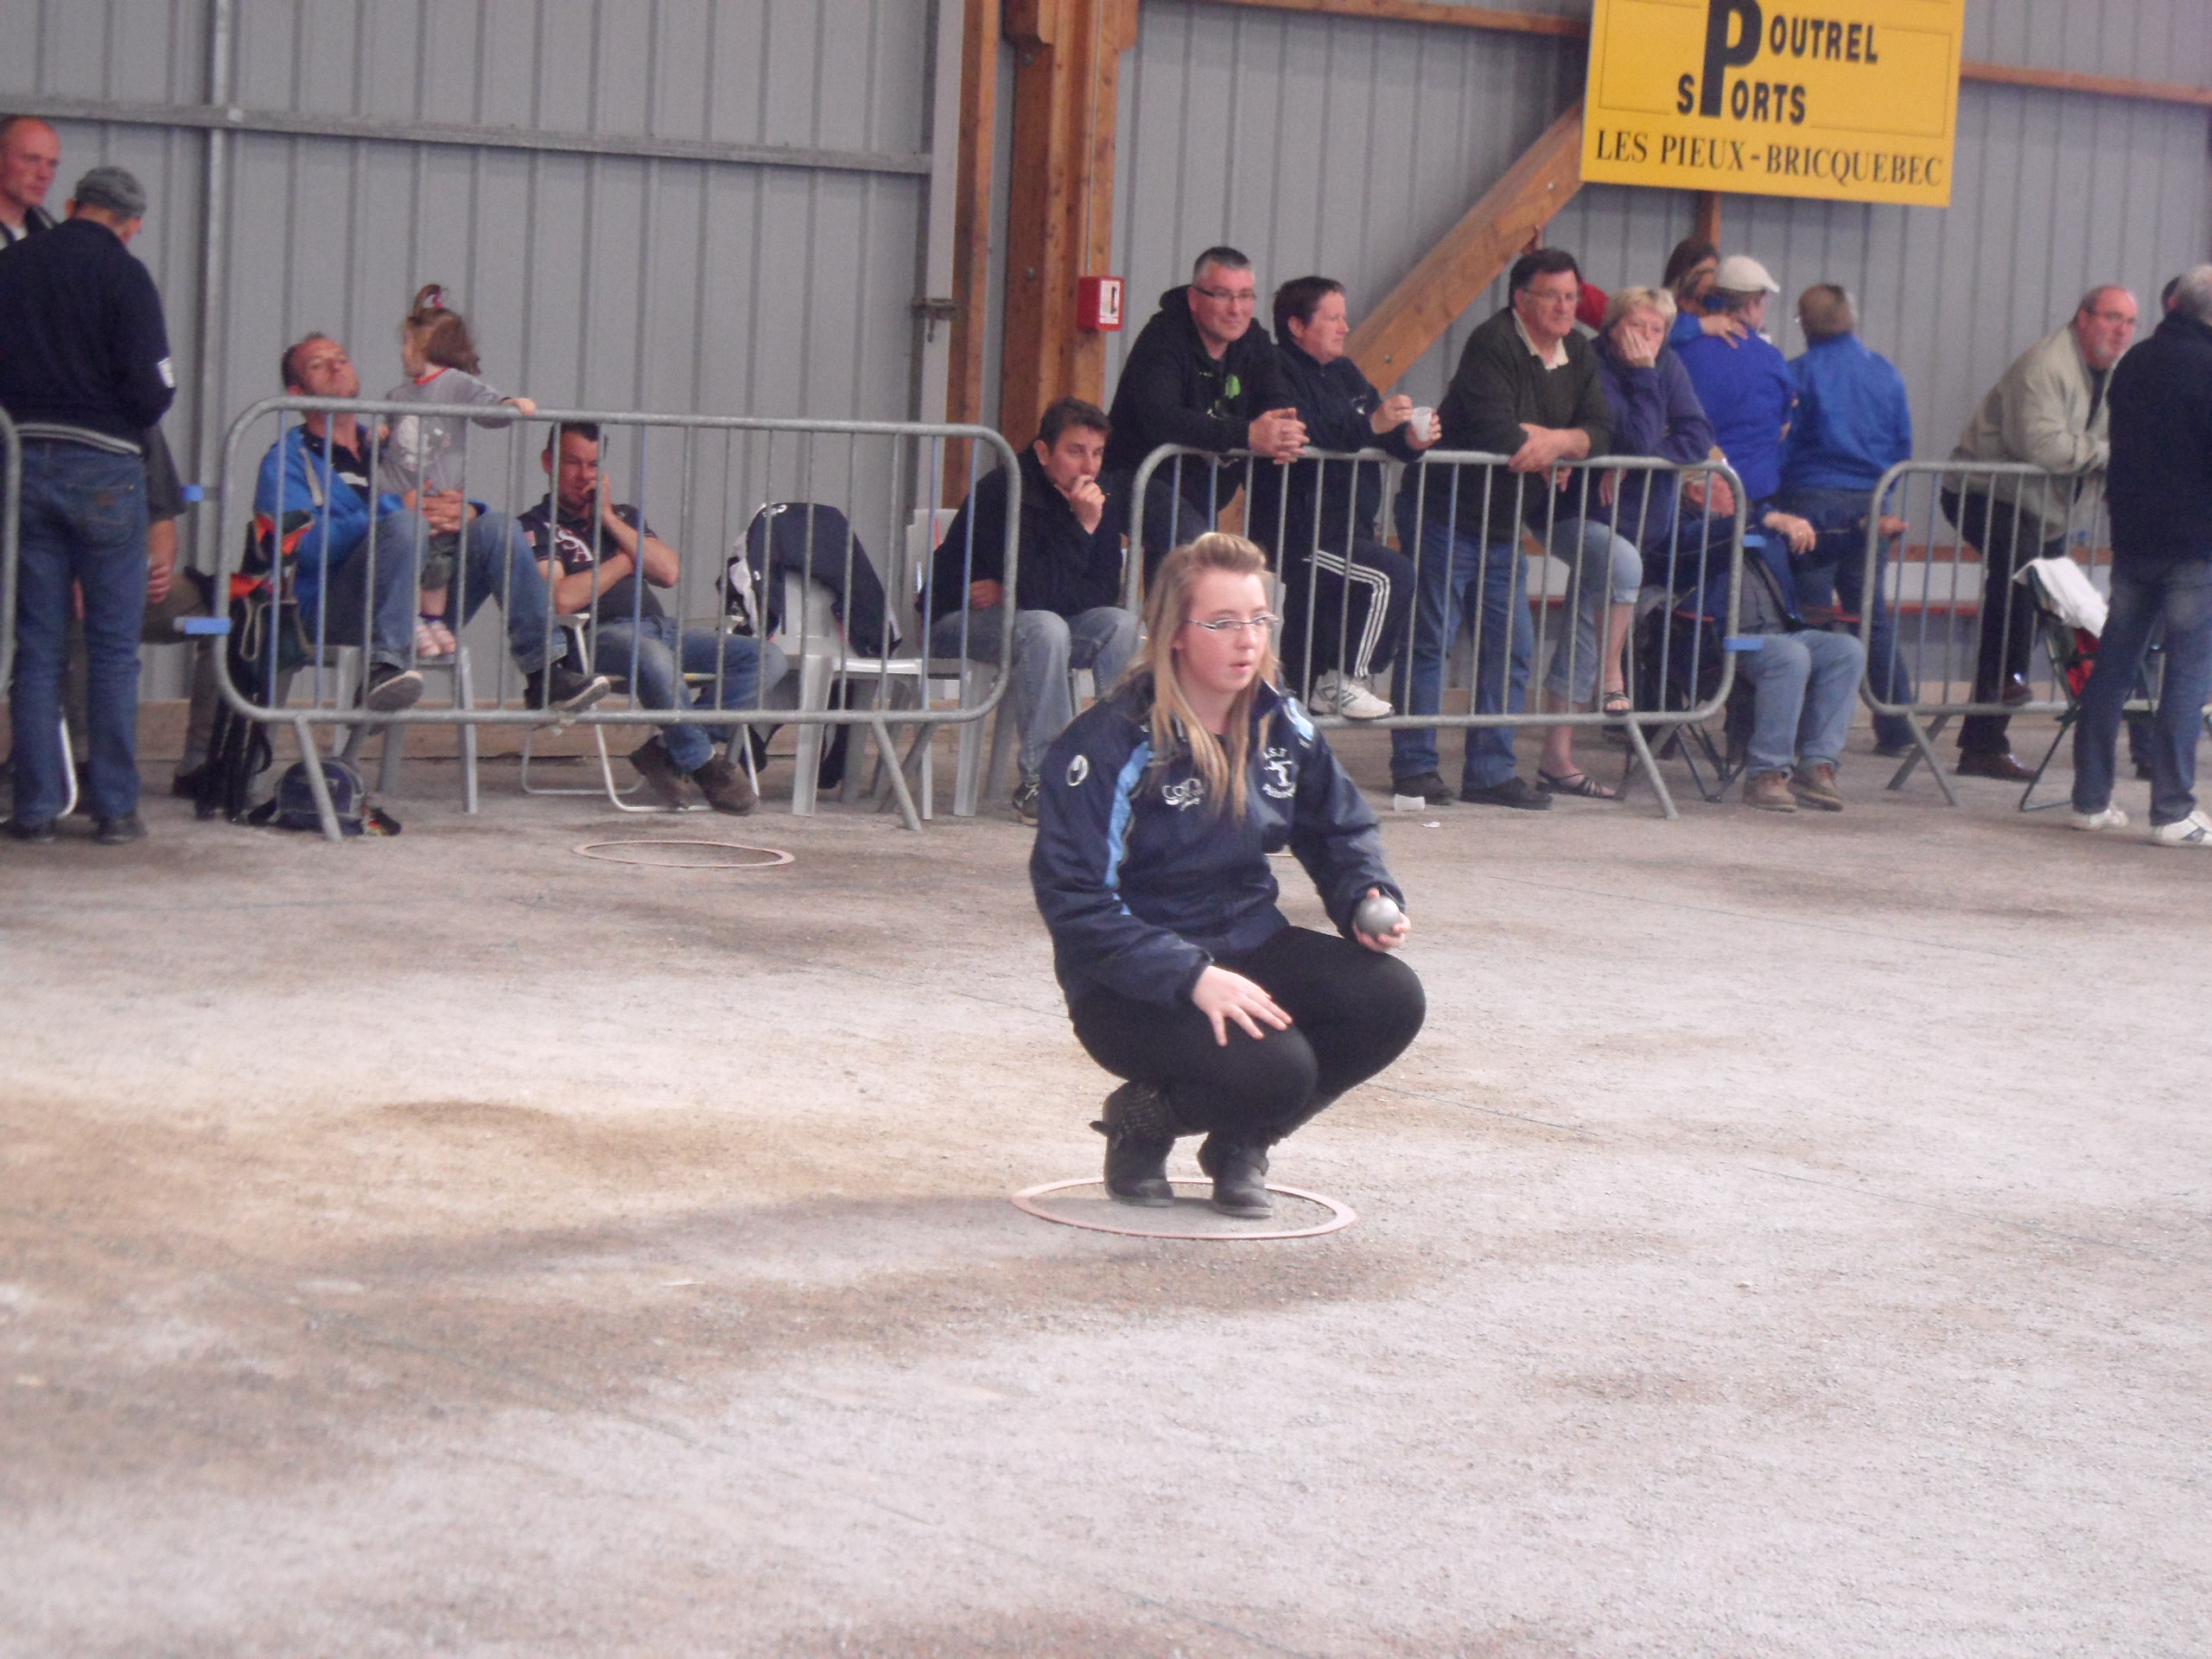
(1187,793)
(1079,769)
(1280,781)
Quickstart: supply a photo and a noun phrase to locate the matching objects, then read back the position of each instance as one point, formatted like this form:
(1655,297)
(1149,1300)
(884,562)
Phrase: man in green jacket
(2049,409)
(1527,388)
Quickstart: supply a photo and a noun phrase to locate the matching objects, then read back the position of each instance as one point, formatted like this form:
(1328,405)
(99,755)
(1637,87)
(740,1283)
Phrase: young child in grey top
(427,454)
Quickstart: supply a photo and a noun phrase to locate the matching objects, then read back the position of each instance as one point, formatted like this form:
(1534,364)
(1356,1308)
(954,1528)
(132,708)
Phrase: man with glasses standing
(1200,376)
(2049,409)
(1527,387)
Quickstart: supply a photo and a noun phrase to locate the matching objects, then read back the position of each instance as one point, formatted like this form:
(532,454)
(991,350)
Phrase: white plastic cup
(1422,423)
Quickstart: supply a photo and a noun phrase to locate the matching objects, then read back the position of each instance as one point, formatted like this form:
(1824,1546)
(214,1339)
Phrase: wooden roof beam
(1452,276)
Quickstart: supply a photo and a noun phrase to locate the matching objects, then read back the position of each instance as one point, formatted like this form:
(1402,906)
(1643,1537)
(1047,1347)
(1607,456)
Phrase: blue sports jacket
(1853,421)
(1143,882)
(294,480)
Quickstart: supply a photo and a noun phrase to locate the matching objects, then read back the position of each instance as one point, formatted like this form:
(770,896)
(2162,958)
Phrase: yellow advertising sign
(1852,99)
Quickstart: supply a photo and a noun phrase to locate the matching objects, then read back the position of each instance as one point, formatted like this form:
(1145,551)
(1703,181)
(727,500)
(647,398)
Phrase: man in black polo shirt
(591,552)
(84,371)
(1526,388)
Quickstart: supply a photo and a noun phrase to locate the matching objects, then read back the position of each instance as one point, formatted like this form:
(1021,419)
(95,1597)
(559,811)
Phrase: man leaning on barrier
(1067,580)
(1347,597)
(2160,488)
(1201,376)
(2048,410)
(1526,387)
(84,371)
(356,550)
(591,551)
(1851,425)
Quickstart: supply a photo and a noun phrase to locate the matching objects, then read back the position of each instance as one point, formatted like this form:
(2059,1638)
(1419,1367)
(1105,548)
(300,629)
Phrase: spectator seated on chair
(1347,597)
(354,550)
(1851,424)
(592,551)
(1805,681)
(1068,580)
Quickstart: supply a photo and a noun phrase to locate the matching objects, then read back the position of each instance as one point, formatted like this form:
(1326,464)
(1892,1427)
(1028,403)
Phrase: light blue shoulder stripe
(1299,722)
(1117,827)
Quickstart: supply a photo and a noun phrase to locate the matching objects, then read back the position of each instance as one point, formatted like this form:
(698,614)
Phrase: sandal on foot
(1576,783)
(1616,703)
(433,638)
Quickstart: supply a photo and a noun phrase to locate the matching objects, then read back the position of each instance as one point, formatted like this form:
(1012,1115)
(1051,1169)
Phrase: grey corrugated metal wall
(1348,146)
(683,282)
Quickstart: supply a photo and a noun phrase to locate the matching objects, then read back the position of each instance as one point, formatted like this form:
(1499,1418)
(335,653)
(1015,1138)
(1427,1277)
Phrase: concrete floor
(1788,1238)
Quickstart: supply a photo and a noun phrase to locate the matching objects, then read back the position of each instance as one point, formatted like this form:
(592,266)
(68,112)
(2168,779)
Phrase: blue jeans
(1602,566)
(1834,572)
(495,563)
(1805,686)
(1460,575)
(654,654)
(83,521)
(2182,599)
(1047,647)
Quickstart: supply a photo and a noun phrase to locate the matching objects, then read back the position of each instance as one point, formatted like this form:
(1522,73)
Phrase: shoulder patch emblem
(1079,769)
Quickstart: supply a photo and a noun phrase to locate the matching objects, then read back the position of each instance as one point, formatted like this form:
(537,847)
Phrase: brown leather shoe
(1816,786)
(726,786)
(661,775)
(1769,791)
(2003,765)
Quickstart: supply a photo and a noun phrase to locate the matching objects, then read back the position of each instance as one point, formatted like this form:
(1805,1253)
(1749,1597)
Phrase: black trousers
(1353,1012)
(1357,604)
(2007,539)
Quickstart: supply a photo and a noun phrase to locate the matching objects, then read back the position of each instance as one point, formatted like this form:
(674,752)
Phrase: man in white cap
(84,371)
(1806,680)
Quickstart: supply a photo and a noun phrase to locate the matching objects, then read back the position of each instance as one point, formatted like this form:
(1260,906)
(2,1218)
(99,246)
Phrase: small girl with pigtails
(426,455)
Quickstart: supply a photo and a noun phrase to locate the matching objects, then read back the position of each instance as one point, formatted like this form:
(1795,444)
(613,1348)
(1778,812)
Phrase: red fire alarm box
(1098,304)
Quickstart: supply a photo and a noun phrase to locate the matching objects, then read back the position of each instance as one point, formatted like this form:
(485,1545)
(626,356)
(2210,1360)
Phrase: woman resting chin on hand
(1159,807)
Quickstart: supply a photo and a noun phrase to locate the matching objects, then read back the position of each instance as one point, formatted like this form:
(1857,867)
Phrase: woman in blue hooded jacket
(1158,808)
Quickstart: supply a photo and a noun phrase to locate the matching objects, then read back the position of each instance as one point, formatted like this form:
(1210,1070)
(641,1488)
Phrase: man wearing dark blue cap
(84,371)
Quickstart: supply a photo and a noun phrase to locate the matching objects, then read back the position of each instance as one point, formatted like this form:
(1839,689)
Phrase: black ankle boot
(1239,1169)
(1140,1133)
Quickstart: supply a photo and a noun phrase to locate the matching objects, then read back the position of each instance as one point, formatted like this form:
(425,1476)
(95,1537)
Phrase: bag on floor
(293,805)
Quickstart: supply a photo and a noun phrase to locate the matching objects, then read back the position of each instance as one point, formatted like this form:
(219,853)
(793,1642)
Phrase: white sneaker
(1335,693)
(2108,818)
(2194,831)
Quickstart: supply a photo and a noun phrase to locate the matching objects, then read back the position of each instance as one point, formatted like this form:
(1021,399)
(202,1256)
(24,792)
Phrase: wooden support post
(1060,220)
(971,231)
(1452,274)
(1705,206)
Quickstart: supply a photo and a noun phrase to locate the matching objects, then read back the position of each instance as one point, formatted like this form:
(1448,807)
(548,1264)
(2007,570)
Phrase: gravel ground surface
(1788,1237)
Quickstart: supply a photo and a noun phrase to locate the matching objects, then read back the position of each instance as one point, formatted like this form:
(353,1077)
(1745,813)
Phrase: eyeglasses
(2113,316)
(1263,623)
(1224,296)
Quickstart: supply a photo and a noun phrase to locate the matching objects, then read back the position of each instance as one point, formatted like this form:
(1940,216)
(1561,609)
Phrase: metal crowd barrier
(1953,629)
(11,528)
(809,529)
(1177,491)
